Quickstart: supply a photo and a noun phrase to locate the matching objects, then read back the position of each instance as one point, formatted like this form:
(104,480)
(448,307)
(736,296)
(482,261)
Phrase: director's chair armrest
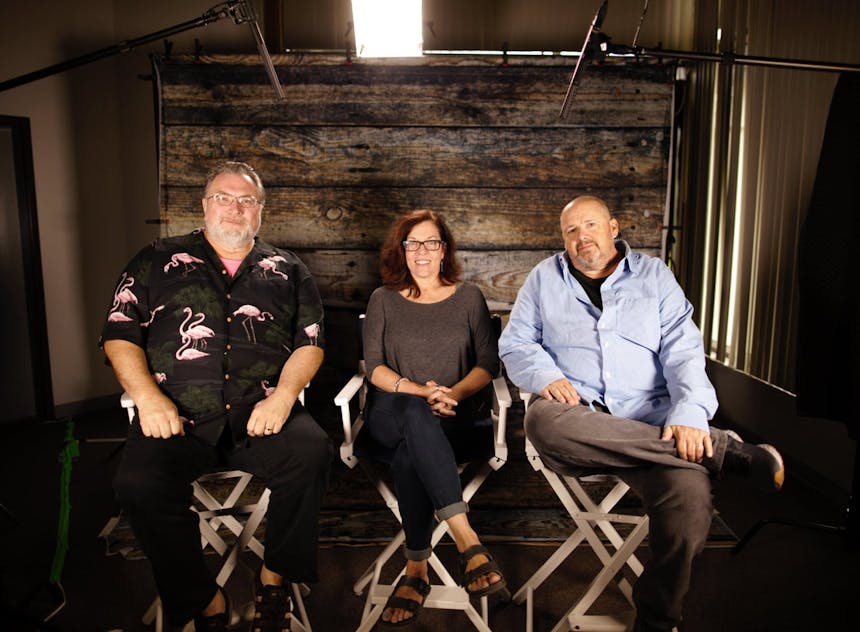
(350,429)
(127,402)
(532,455)
(502,396)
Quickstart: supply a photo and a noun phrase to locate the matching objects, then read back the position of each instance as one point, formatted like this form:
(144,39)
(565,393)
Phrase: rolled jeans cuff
(416,556)
(451,510)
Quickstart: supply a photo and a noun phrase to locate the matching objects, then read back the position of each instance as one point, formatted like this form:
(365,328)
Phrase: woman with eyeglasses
(430,354)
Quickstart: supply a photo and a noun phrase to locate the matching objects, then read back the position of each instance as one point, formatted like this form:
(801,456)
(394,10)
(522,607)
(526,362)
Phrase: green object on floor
(69,452)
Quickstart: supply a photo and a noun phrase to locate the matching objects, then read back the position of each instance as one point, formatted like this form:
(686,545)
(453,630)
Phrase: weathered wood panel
(340,217)
(484,95)
(420,156)
(353,147)
(347,277)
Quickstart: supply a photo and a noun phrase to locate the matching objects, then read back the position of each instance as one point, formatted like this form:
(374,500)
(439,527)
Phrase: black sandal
(217,622)
(488,567)
(410,605)
(273,608)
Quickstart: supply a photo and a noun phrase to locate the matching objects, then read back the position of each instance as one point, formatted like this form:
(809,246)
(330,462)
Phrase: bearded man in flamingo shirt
(197,325)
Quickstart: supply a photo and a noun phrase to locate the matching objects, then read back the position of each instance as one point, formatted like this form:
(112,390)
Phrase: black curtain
(828,359)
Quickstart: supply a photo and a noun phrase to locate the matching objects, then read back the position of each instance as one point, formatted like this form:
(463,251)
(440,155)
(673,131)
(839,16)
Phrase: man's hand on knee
(691,443)
(268,416)
(561,391)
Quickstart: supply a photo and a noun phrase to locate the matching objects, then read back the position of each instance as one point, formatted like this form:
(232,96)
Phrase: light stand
(598,45)
(731,58)
(241,11)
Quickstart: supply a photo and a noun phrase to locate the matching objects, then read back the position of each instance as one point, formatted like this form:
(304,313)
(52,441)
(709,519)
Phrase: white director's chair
(240,520)
(447,594)
(590,515)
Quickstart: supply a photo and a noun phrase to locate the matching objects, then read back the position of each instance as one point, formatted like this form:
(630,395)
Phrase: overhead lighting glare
(387,28)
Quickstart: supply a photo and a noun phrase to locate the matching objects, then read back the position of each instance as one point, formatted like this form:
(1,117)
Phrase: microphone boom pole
(731,58)
(239,10)
(581,61)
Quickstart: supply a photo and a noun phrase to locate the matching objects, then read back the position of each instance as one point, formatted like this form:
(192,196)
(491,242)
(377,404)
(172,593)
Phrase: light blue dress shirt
(641,356)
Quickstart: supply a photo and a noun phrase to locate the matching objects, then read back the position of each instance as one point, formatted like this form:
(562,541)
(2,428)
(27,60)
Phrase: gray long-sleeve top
(430,341)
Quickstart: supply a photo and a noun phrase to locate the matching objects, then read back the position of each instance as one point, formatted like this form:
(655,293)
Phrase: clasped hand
(441,403)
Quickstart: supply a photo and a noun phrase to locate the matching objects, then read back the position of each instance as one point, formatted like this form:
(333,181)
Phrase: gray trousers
(676,494)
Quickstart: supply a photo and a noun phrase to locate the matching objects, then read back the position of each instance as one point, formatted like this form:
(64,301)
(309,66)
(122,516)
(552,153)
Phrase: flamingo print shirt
(215,343)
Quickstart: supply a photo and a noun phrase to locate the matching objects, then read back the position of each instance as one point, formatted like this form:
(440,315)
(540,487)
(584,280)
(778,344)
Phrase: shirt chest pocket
(638,320)
(561,334)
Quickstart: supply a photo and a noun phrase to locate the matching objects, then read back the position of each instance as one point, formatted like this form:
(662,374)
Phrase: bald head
(589,233)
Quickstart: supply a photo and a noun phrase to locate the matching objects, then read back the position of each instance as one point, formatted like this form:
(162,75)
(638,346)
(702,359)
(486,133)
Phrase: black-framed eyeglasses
(224,199)
(411,245)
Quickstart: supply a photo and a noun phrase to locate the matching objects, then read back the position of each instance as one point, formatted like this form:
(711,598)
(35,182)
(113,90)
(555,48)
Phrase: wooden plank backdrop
(355,145)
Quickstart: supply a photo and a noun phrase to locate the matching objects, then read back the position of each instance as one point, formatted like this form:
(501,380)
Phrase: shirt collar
(632,264)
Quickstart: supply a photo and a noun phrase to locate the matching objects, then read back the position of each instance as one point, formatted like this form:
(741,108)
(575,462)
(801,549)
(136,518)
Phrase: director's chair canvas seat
(590,515)
(229,518)
(446,594)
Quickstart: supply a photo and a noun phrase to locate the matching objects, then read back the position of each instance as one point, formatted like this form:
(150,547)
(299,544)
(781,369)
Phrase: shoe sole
(734,435)
(779,475)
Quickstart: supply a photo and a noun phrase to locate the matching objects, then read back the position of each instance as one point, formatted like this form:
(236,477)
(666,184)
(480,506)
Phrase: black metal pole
(216,13)
(731,58)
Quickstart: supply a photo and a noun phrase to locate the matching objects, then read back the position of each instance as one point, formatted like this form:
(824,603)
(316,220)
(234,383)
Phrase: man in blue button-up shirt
(606,337)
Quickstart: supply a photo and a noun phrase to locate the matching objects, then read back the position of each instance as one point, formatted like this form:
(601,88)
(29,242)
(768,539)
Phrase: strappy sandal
(273,608)
(487,568)
(410,605)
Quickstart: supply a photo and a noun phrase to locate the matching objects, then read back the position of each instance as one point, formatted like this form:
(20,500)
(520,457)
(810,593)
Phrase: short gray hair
(239,168)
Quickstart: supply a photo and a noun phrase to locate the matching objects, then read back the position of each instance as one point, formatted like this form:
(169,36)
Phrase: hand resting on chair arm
(156,413)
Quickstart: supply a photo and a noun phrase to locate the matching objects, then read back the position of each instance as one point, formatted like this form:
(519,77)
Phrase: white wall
(94,154)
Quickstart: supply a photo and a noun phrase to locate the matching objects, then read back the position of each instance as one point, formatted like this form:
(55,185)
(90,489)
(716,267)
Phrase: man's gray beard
(234,241)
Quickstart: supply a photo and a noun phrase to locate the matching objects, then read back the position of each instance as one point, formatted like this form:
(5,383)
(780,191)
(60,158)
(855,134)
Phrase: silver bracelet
(397,383)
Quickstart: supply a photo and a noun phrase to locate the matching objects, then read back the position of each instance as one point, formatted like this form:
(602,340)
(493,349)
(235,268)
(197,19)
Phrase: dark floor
(787,578)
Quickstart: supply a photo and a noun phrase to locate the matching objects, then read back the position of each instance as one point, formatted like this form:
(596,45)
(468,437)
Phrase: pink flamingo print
(251,313)
(159,377)
(188,350)
(152,314)
(197,332)
(267,390)
(270,264)
(121,297)
(186,353)
(184,258)
(313,332)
